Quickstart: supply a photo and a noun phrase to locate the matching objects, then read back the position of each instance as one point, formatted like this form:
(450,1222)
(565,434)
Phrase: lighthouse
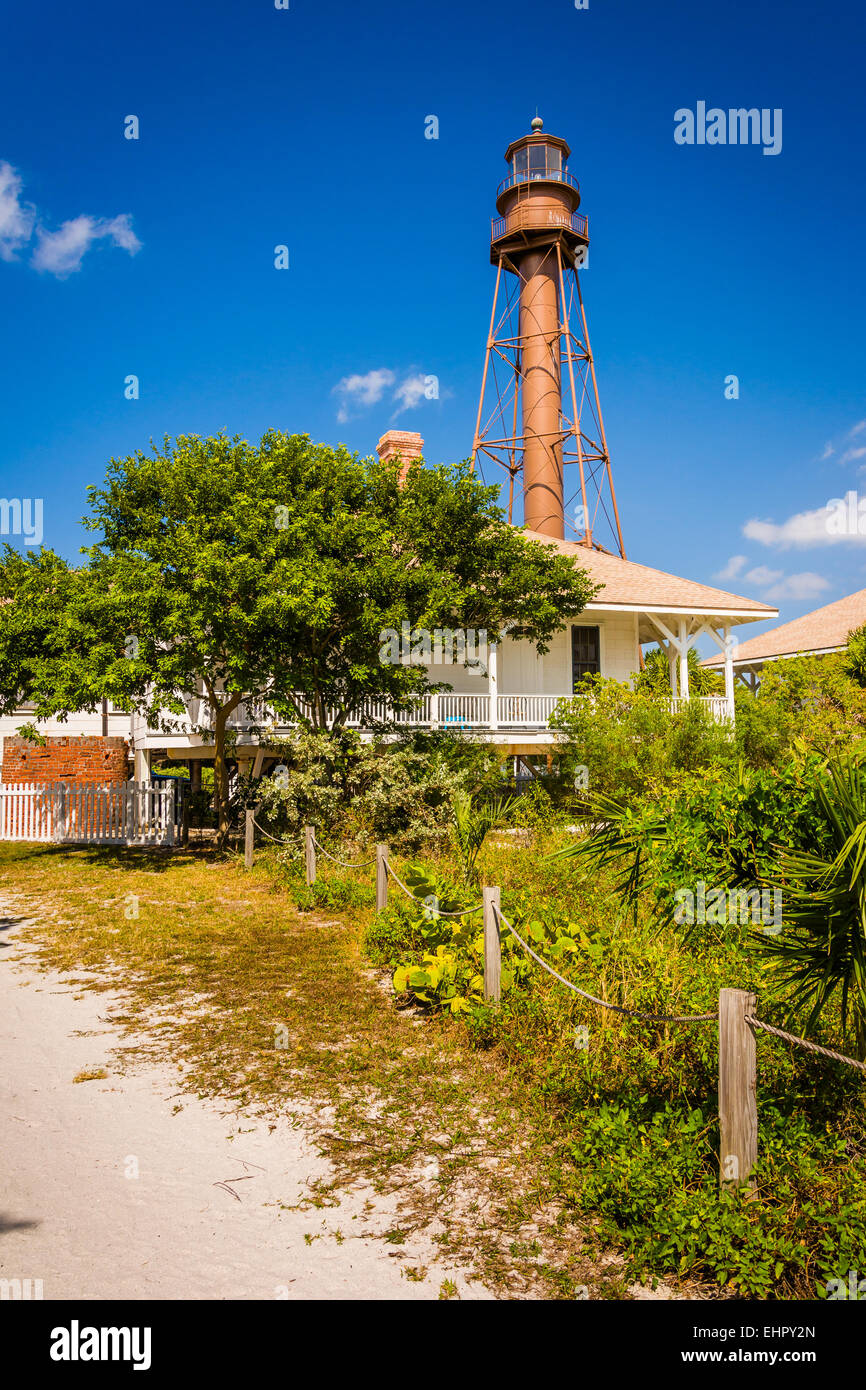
(539,415)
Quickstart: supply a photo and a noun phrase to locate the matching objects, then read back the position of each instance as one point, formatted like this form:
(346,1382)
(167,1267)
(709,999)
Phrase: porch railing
(478,712)
(718,705)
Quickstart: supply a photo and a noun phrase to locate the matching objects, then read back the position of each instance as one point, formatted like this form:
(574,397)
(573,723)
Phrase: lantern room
(538,201)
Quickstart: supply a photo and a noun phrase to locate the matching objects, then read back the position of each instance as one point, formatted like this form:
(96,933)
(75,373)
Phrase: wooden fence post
(492,945)
(310,854)
(738,1111)
(249,839)
(381,877)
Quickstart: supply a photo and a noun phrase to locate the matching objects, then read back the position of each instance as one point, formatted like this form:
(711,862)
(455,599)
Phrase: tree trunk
(221,775)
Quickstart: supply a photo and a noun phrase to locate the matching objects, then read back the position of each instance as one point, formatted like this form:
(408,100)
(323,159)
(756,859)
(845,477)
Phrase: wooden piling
(492,945)
(738,1111)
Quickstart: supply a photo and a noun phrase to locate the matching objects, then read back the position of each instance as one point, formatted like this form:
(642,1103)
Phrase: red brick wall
(66,759)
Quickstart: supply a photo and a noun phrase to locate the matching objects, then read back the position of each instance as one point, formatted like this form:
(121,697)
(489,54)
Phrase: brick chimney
(402,444)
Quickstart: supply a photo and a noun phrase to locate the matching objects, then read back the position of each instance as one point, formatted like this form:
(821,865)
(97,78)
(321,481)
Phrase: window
(585,654)
(537,161)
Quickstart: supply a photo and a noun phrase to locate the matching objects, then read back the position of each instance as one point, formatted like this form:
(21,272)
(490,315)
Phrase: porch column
(142,765)
(729,669)
(684,660)
(672,668)
(492,686)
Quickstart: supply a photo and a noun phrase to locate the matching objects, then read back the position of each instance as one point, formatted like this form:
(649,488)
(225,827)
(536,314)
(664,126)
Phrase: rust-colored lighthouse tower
(539,414)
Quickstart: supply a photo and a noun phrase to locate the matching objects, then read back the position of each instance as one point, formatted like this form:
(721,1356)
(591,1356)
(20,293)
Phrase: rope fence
(252,817)
(603,1003)
(736,1017)
(436,911)
(343,863)
(805,1043)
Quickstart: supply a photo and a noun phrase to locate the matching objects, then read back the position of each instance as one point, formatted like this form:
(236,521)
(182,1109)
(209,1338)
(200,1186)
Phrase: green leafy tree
(827,707)
(656,675)
(226,573)
(40,627)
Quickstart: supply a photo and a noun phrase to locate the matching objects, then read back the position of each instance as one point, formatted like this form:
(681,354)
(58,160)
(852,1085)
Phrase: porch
(500,713)
(491,714)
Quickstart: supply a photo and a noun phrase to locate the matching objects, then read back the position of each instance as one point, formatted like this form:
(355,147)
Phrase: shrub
(854,659)
(764,729)
(631,743)
(827,708)
(398,792)
(822,951)
(723,826)
(534,809)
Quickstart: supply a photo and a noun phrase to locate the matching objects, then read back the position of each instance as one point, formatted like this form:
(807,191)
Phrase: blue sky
(305,127)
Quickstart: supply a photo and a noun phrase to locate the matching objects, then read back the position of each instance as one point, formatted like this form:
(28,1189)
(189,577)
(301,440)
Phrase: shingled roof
(639,588)
(824,630)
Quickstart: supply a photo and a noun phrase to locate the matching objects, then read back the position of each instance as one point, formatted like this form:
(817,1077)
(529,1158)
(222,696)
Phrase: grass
(554,1167)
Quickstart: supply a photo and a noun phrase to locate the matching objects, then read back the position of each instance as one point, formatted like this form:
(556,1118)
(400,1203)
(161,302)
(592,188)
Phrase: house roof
(824,630)
(641,589)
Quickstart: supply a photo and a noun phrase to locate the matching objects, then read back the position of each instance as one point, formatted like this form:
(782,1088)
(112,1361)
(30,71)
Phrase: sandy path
(70,1215)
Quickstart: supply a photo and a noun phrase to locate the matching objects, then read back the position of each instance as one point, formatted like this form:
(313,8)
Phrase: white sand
(71,1217)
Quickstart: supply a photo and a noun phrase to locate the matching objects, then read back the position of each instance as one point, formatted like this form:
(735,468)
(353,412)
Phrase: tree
(38,598)
(270,573)
(827,707)
(656,674)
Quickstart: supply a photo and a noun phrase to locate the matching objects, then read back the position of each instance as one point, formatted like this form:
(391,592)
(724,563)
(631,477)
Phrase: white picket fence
(88,813)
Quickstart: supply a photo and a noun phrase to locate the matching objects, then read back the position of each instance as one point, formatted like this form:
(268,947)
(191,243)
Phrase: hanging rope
(802,1042)
(344,863)
(290,841)
(603,1003)
(438,912)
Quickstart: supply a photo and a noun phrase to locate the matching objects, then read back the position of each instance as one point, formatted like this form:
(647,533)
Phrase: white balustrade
(718,706)
(445,710)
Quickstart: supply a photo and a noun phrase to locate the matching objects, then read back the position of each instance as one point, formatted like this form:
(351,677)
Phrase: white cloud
(360,391)
(851,454)
(795,586)
(16,218)
(830,449)
(777,584)
(412,390)
(761,576)
(61,252)
(802,529)
(732,568)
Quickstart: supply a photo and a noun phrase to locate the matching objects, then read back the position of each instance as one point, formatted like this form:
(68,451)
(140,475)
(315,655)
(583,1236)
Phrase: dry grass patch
(274,1010)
